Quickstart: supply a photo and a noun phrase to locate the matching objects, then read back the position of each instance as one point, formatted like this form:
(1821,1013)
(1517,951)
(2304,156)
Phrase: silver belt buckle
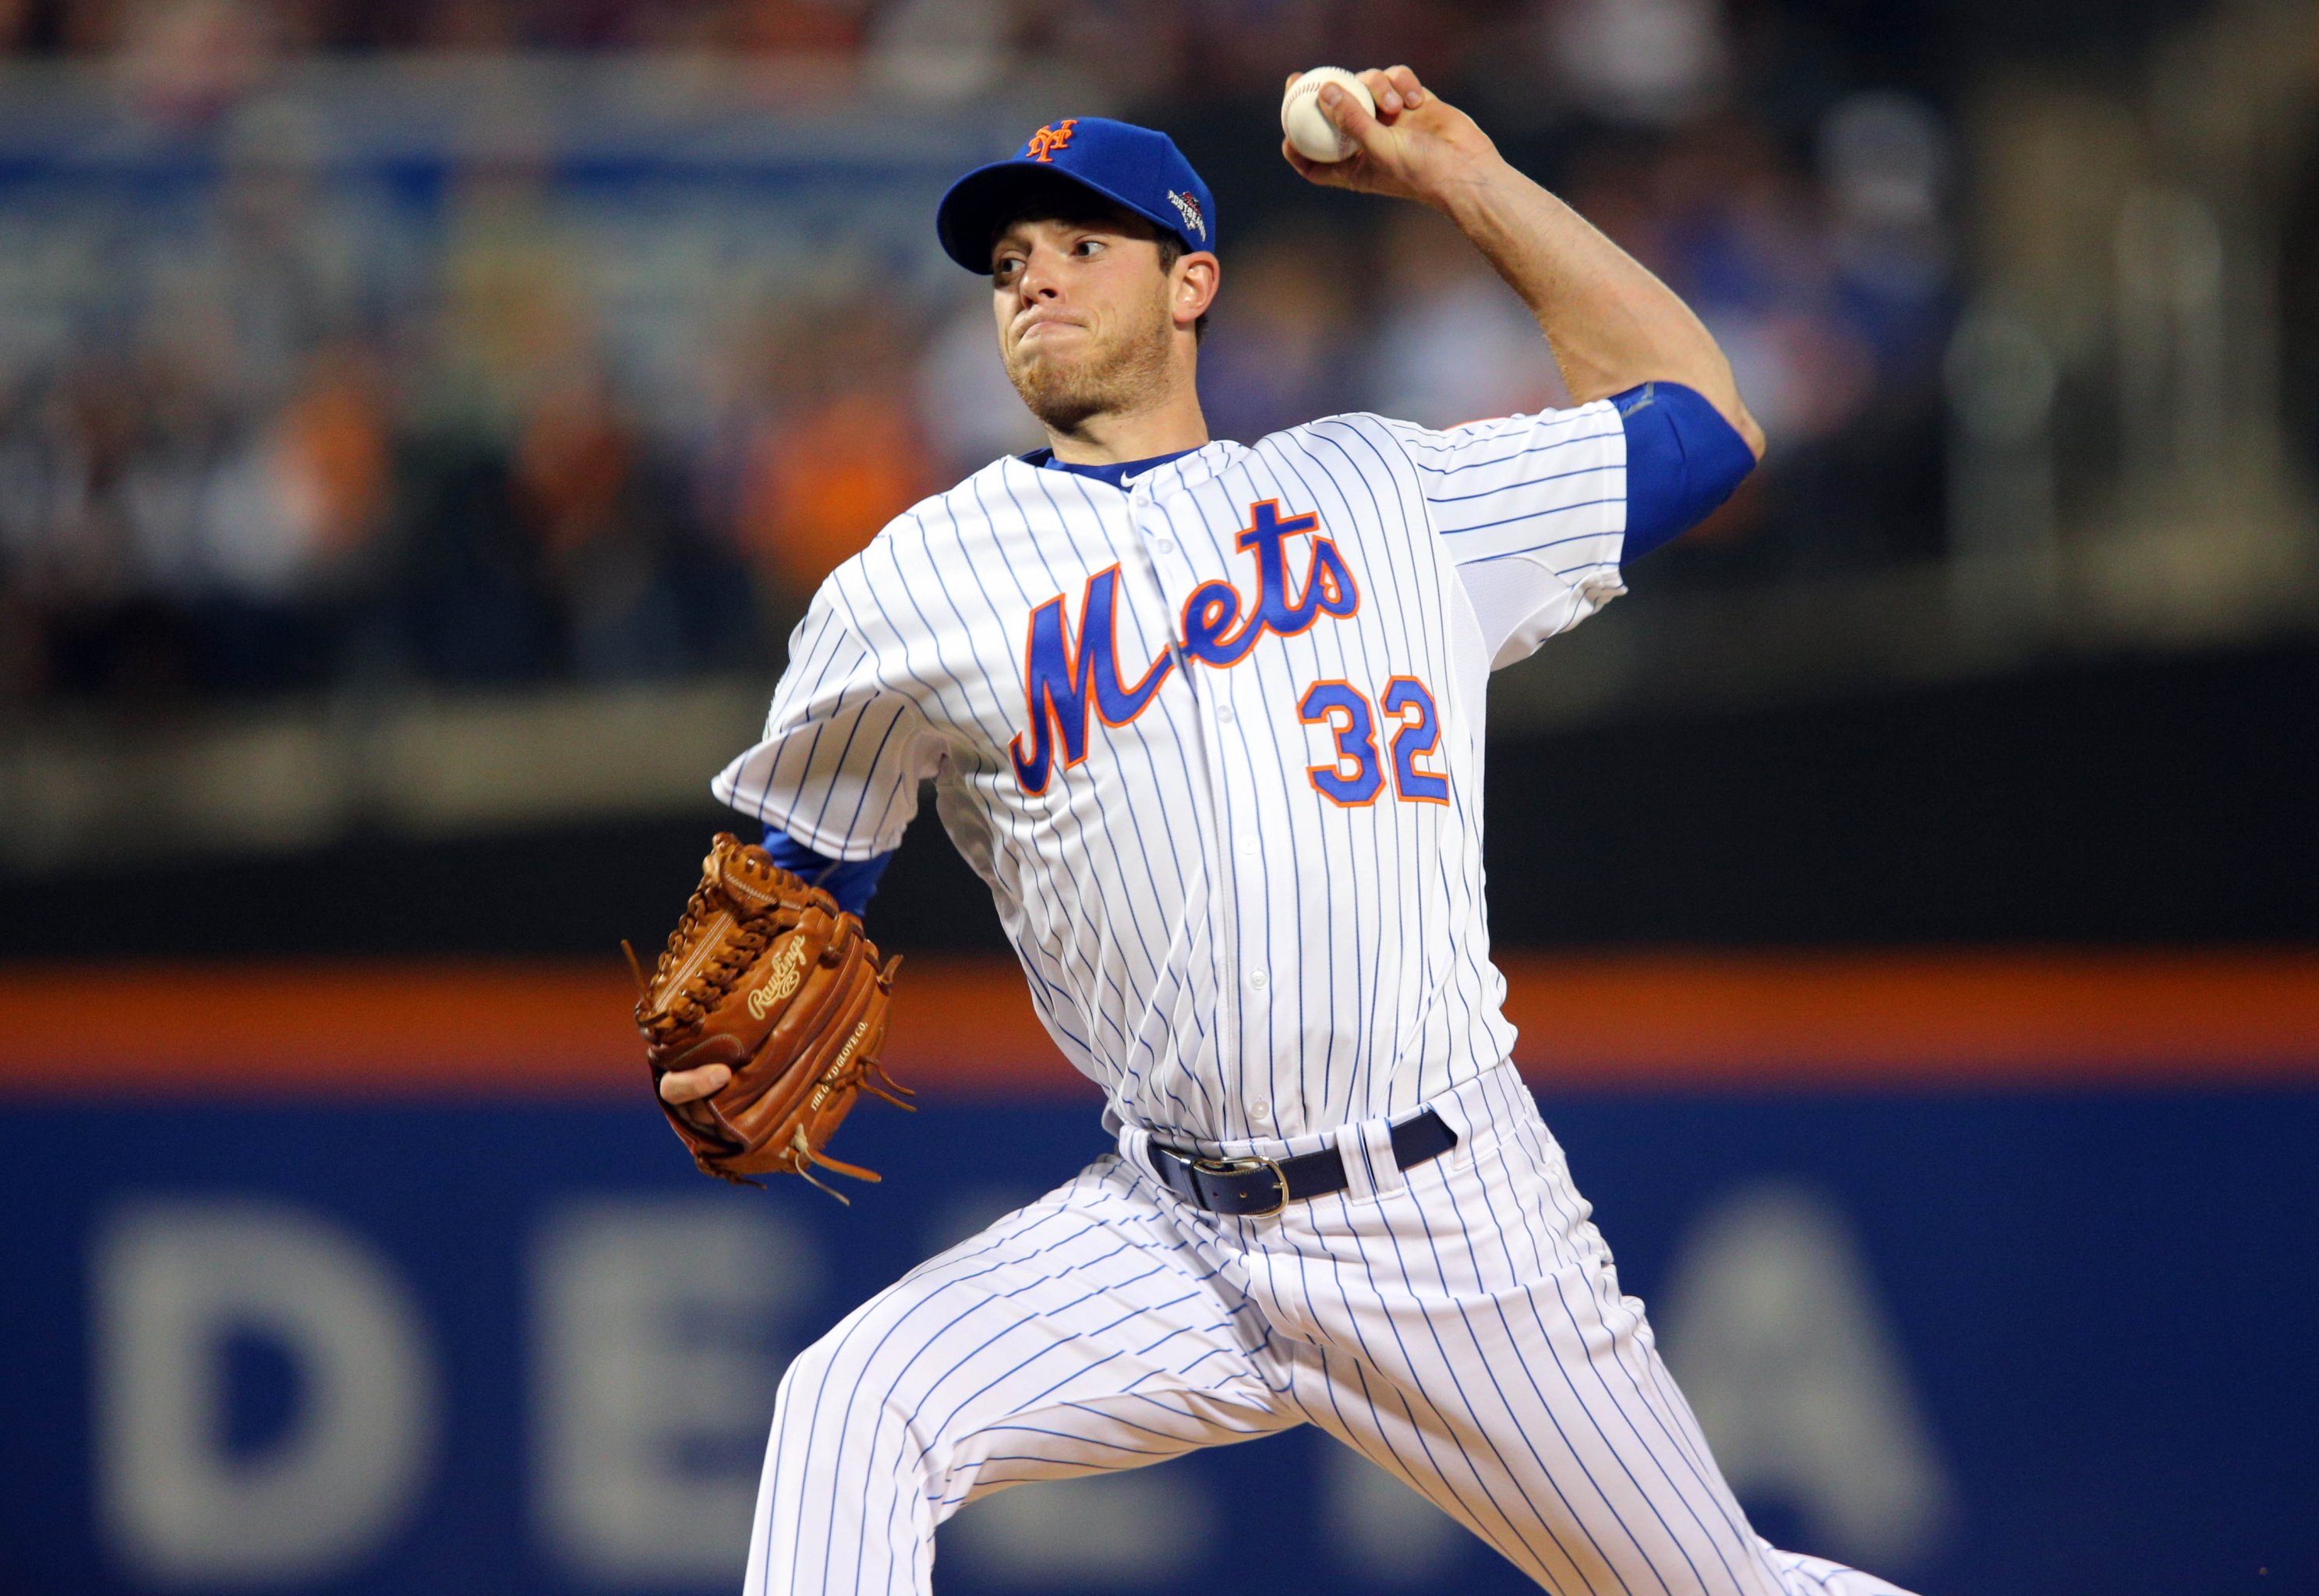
(1244,1167)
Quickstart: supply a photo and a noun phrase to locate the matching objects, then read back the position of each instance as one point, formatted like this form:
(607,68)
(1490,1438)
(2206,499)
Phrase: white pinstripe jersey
(1215,741)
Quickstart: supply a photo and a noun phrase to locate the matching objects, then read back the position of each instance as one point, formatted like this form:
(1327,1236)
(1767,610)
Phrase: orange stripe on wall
(965,1026)
(1963,1018)
(499,1030)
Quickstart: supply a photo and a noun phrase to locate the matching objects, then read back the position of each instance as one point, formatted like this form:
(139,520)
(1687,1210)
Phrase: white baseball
(1308,127)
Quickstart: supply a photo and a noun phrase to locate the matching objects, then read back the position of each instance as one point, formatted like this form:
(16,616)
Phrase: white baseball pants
(1459,1323)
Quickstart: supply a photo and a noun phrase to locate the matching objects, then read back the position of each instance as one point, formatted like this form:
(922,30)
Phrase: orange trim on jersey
(1374,764)
(1218,635)
(1081,677)
(1429,719)
(1655,1022)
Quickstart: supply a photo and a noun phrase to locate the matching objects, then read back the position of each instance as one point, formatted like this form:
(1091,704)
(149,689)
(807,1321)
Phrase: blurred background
(421,423)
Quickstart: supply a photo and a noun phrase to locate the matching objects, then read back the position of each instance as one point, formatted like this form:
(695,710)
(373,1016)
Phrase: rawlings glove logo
(785,973)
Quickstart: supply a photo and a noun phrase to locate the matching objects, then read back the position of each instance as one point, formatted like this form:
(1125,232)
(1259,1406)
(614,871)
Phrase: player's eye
(1085,247)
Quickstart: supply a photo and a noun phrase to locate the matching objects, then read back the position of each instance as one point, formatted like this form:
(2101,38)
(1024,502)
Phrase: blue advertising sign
(1993,1342)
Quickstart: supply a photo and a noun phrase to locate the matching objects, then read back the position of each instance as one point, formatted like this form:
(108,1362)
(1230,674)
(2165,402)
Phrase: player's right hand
(1416,147)
(690,1085)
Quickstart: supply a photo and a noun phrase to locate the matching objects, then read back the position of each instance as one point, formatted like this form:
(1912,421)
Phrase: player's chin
(1050,362)
(1062,399)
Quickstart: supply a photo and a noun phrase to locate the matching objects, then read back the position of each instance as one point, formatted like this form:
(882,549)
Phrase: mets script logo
(1064,679)
(1054,136)
(1188,208)
(780,981)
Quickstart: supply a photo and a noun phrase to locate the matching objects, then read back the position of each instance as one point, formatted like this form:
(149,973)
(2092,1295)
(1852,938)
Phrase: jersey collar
(1126,475)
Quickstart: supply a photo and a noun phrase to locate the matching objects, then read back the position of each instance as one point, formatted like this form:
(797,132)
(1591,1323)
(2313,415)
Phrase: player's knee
(812,1371)
(854,1388)
(849,1371)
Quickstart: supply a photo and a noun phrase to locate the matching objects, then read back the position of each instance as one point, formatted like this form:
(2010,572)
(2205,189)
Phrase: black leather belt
(1255,1187)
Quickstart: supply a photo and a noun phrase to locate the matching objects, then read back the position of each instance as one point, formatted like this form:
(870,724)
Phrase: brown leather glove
(768,976)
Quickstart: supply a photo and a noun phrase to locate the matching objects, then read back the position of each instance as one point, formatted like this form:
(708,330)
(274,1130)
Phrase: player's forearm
(1611,324)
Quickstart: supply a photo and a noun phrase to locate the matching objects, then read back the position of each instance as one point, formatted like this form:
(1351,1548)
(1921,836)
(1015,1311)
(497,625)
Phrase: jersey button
(1259,979)
(1249,845)
(1260,1112)
(1224,714)
(1163,546)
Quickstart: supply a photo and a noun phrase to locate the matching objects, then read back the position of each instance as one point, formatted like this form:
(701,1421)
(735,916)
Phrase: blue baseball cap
(1134,168)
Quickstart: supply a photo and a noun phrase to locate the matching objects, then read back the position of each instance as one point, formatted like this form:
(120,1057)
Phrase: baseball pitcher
(1207,717)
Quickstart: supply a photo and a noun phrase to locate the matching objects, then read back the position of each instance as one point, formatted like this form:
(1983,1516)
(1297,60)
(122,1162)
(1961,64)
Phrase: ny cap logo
(1054,136)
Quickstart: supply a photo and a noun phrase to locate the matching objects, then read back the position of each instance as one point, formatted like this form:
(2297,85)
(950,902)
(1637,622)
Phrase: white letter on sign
(654,1323)
(171,1281)
(1774,1330)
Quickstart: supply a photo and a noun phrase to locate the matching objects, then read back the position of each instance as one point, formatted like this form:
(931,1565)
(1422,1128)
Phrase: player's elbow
(1686,455)
(1720,391)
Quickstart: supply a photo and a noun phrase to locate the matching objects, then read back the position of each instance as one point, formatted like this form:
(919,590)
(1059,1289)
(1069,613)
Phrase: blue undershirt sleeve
(851,882)
(1682,460)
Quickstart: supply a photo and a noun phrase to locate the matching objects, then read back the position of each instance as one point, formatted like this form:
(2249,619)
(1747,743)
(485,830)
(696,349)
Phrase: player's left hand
(1416,147)
(763,1018)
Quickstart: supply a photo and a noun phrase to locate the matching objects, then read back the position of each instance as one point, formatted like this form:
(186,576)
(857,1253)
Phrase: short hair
(1062,200)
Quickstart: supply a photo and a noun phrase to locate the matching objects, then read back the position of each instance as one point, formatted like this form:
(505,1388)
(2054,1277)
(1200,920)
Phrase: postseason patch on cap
(1188,208)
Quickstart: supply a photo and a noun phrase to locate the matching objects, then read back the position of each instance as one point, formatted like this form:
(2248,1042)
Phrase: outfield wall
(1992,1271)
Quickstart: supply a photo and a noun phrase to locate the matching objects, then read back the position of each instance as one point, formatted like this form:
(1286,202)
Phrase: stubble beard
(1124,375)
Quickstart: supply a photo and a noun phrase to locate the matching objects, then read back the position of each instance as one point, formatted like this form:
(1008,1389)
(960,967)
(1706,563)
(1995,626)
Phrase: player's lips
(1045,324)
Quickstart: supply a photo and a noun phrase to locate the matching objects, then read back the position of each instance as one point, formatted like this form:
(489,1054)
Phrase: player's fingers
(1320,172)
(690,1085)
(1404,83)
(1387,97)
(1347,113)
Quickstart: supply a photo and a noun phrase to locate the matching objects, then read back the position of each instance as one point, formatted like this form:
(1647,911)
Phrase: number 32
(1357,775)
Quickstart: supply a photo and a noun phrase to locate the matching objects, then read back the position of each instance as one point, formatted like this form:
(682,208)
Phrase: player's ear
(1194,286)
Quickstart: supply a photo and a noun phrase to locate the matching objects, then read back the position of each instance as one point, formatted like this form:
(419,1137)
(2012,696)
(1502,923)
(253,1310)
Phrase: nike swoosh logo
(1138,477)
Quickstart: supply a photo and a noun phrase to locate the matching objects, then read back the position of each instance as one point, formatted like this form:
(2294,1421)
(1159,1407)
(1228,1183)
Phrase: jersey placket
(1173,569)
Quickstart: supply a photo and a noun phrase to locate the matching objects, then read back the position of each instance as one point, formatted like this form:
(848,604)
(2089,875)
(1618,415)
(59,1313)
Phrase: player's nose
(1038,279)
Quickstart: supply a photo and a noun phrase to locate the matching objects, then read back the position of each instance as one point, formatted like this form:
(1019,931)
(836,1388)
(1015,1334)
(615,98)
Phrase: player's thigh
(1084,1333)
(1485,1356)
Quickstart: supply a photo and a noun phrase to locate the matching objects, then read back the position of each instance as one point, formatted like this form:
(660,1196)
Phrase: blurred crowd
(302,442)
